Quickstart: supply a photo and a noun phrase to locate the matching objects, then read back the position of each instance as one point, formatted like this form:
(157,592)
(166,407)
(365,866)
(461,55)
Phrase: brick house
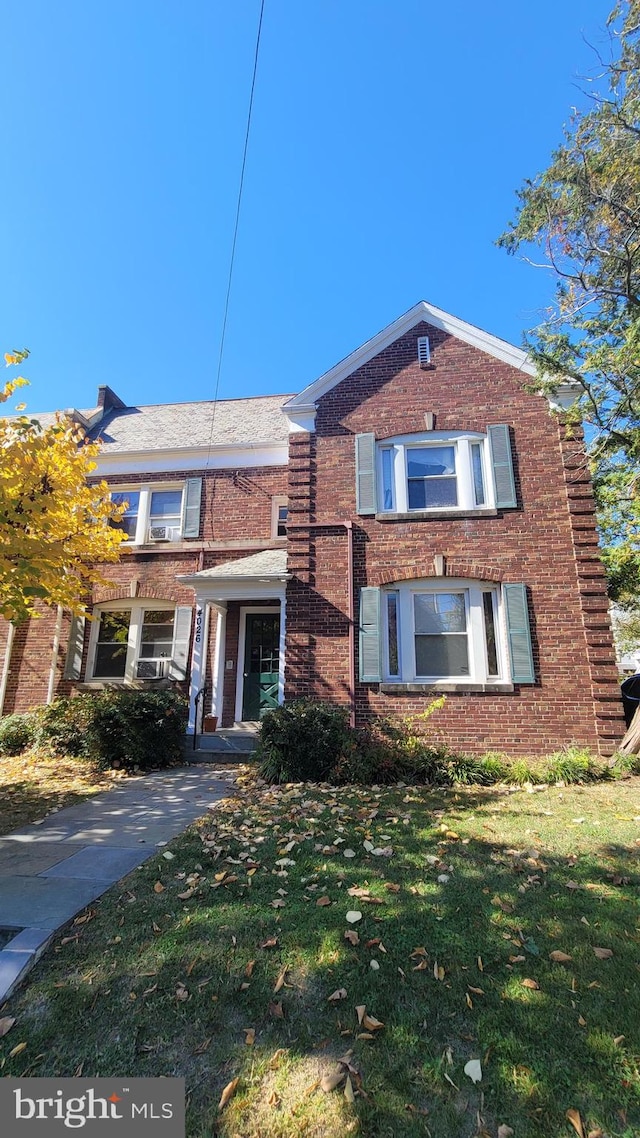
(413,522)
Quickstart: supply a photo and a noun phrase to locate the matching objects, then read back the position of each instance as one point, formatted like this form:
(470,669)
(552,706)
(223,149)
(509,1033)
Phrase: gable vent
(424,351)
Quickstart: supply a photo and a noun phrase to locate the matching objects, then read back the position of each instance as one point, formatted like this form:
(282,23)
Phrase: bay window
(433,474)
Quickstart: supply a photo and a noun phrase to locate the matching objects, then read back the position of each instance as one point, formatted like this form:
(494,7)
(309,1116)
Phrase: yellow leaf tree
(55,526)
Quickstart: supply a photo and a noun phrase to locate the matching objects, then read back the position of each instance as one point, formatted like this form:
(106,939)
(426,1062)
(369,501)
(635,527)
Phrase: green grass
(156,984)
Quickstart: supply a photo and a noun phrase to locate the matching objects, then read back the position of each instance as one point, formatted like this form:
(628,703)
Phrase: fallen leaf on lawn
(368,846)
(6,1023)
(281,978)
(480,964)
(374,964)
(573,1116)
(250,967)
(278,903)
(275,1009)
(348,1091)
(533,984)
(169,856)
(271,942)
(478,991)
(348,853)
(228,1093)
(618,1040)
(517,959)
(560,957)
(603,953)
(182,993)
(332,1080)
(438,971)
(572,885)
(339,994)
(322,901)
(505,1131)
(360,1011)
(391,888)
(19,1047)
(596,1133)
(353,915)
(202,1047)
(417,952)
(582,1021)
(469,1000)
(450,1080)
(274,1062)
(371,1023)
(249,1036)
(451,836)
(187,893)
(352,936)
(158,887)
(365,1035)
(473,1069)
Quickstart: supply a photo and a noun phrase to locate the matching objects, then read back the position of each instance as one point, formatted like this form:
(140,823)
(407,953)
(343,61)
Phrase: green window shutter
(181,637)
(519,634)
(73,662)
(370,654)
(191,507)
(502,466)
(366,474)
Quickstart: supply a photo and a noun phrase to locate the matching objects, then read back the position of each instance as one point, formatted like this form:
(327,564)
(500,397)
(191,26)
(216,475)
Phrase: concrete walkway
(50,871)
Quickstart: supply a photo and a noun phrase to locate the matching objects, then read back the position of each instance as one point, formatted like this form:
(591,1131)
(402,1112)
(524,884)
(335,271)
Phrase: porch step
(228,743)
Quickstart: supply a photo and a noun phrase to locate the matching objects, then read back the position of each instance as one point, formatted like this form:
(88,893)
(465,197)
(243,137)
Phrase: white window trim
(461,442)
(143,523)
(277,501)
(476,638)
(137,609)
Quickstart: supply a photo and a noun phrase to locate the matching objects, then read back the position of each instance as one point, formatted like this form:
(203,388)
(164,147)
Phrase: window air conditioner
(151,669)
(164,533)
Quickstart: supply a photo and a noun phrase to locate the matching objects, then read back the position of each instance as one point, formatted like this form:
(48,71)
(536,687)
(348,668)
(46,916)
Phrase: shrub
(623,765)
(117,727)
(303,739)
(519,773)
(17,732)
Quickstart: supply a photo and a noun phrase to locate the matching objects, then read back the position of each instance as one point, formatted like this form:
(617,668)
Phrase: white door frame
(242,637)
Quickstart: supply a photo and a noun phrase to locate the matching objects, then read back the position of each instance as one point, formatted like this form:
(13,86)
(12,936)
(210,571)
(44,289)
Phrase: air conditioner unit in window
(164,533)
(151,669)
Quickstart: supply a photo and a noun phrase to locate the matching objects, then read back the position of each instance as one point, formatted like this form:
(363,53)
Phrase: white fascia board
(428,313)
(248,589)
(191,458)
(301,418)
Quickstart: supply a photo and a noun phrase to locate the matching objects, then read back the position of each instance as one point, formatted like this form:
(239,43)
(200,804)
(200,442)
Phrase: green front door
(261,664)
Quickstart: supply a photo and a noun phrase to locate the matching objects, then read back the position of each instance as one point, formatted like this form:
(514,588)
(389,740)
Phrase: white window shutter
(366,474)
(73,662)
(502,466)
(519,634)
(191,507)
(181,637)
(370,646)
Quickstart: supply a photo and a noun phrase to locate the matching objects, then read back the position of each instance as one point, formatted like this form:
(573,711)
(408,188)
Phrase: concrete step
(227,743)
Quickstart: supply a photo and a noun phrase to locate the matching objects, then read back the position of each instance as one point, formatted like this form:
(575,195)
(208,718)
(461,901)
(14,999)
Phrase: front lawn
(229,961)
(34,784)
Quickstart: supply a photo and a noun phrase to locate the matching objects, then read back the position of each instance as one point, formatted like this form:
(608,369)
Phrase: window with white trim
(156,512)
(450,630)
(142,641)
(436,471)
(279,514)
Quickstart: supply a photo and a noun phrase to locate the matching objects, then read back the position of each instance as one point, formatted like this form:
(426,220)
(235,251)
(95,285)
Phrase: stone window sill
(429,515)
(439,687)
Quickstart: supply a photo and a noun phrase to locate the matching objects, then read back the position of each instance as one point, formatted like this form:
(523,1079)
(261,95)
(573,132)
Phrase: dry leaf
(360,1011)
(202,1047)
(275,1009)
(250,967)
(274,1062)
(158,887)
(323,901)
(228,1093)
(339,994)
(271,942)
(451,836)
(505,1131)
(618,1040)
(348,1091)
(371,1023)
(596,1133)
(332,1080)
(533,984)
(281,978)
(353,915)
(438,971)
(480,964)
(6,1023)
(573,1116)
(473,1069)
(582,1021)
(19,1047)
(560,957)
(348,853)
(249,1035)
(352,936)
(374,964)
(603,953)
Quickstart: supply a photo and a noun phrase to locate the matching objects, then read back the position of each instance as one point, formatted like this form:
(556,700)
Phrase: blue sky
(387,142)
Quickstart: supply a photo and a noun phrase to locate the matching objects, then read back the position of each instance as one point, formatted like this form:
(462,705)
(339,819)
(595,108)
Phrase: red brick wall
(548,543)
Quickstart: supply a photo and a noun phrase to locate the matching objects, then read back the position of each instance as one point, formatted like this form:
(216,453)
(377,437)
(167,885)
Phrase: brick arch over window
(452,567)
(102,594)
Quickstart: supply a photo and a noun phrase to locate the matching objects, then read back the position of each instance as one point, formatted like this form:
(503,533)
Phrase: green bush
(17,732)
(117,727)
(623,765)
(572,764)
(303,740)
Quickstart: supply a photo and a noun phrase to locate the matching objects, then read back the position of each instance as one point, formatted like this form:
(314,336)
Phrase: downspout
(351,616)
(54,654)
(4,679)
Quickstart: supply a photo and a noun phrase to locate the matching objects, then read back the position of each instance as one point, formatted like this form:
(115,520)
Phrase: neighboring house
(413,522)
(627,652)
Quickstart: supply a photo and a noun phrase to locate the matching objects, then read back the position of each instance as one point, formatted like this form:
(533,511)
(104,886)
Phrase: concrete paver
(51,870)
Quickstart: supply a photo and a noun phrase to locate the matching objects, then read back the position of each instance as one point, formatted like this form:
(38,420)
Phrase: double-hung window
(145,641)
(434,473)
(450,631)
(159,513)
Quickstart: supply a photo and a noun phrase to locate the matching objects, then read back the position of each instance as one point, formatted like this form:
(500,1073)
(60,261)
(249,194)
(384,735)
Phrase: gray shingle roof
(268,563)
(162,426)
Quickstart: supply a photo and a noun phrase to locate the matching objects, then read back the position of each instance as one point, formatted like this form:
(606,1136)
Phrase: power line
(235,228)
